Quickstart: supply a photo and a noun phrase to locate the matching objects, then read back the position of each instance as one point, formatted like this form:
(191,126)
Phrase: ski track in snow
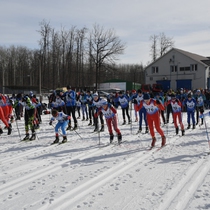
(82,174)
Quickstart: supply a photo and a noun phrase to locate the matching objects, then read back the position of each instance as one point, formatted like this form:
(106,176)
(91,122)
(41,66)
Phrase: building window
(194,67)
(186,68)
(155,70)
(173,68)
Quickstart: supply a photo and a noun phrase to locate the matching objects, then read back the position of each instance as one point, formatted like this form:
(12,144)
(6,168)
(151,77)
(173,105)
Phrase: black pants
(71,112)
(125,111)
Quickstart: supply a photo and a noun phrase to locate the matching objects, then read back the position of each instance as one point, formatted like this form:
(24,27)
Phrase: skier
(62,123)
(90,107)
(191,107)
(3,118)
(59,104)
(124,103)
(176,113)
(83,100)
(138,97)
(168,107)
(109,113)
(161,99)
(28,117)
(97,102)
(70,96)
(200,98)
(152,107)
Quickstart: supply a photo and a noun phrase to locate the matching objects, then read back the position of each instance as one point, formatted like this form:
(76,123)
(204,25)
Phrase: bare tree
(154,53)
(166,43)
(160,45)
(105,47)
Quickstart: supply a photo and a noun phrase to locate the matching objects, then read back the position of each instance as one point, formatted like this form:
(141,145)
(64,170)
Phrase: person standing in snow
(28,117)
(70,99)
(162,112)
(124,103)
(4,118)
(138,97)
(109,113)
(177,113)
(97,102)
(152,107)
(168,107)
(62,123)
(191,107)
(90,107)
(83,100)
(200,98)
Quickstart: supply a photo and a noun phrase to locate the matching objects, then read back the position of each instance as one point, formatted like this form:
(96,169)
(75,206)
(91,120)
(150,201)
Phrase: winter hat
(139,91)
(95,95)
(189,95)
(104,102)
(146,96)
(172,95)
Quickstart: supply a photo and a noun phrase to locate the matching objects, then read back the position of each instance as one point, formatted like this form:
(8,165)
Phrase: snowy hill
(82,174)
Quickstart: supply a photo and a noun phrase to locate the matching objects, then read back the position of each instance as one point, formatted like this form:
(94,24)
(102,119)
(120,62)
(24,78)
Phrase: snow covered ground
(82,174)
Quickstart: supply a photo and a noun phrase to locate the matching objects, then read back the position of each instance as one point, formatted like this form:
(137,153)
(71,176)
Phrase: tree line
(81,58)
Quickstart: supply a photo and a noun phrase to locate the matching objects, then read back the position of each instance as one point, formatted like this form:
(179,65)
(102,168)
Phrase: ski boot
(90,123)
(177,130)
(75,126)
(163,141)
(111,138)
(102,128)
(26,137)
(124,122)
(83,118)
(139,131)
(193,126)
(119,136)
(56,140)
(64,139)
(183,132)
(129,121)
(9,129)
(146,131)
(69,127)
(153,142)
(33,136)
(96,129)
(188,127)
(1,131)
(87,119)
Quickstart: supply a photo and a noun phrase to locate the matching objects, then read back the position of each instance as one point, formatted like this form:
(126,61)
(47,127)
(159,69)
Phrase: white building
(179,69)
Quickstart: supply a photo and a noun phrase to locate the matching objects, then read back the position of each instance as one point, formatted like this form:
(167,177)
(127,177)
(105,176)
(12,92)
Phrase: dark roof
(198,58)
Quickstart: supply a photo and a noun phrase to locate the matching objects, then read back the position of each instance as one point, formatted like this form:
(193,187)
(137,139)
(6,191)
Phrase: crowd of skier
(66,108)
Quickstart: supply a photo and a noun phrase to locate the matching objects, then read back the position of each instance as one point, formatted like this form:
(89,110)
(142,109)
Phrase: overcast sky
(187,22)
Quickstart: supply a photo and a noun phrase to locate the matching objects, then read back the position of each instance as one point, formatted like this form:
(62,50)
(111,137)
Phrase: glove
(157,102)
(50,123)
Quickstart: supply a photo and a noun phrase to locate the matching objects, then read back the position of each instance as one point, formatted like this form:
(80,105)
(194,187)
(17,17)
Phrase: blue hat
(146,96)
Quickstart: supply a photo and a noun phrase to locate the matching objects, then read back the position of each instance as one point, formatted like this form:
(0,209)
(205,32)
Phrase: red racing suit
(153,117)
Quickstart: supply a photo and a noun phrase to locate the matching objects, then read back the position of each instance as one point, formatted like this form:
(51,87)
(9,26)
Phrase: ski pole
(207,134)
(131,117)
(16,123)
